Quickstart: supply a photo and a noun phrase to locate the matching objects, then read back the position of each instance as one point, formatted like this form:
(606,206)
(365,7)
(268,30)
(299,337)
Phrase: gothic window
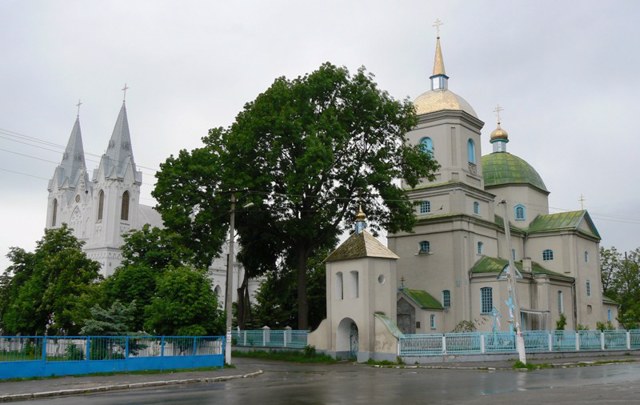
(486,300)
(520,212)
(425,207)
(476,208)
(446,298)
(427,145)
(55,212)
(339,289)
(547,255)
(480,247)
(432,321)
(471,151)
(124,212)
(588,288)
(425,247)
(100,204)
(560,302)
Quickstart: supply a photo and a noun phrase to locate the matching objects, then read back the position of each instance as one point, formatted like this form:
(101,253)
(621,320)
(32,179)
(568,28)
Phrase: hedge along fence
(42,356)
(505,342)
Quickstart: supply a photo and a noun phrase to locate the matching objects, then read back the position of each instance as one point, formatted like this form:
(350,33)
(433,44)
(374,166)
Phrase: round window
(381,279)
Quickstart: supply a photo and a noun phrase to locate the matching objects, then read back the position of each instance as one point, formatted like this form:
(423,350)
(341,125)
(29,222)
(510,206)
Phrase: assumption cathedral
(452,267)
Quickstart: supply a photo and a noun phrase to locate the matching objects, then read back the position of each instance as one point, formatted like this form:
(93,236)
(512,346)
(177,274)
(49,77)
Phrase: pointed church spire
(119,150)
(439,78)
(72,164)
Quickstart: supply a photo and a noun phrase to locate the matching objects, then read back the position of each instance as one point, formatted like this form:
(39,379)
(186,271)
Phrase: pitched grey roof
(359,246)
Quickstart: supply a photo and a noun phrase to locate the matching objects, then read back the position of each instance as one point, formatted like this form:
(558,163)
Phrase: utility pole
(228,298)
(513,288)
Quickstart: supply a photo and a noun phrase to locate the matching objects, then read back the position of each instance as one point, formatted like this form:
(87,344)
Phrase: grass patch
(518,365)
(308,356)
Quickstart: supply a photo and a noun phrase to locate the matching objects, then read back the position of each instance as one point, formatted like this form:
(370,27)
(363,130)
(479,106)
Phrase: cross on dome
(497,111)
(78,105)
(437,23)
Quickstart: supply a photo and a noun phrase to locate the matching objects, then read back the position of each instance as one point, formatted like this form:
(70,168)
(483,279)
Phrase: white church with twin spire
(101,209)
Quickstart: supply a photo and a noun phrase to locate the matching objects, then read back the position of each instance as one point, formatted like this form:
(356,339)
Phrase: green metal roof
(564,221)
(488,264)
(422,298)
(359,246)
(502,168)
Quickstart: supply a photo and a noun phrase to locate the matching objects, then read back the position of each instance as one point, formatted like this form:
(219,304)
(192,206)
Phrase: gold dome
(438,100)
(499,133)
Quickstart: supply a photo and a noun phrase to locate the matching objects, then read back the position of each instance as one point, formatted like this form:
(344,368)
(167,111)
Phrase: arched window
(355,284)
(432,321)
(586,256)
(560,302)
(55,212)
(547,254)
(100,204)
(476,208)
(471,151)
(425,247)
(446,298)
(124,211)
(425,207)
(486,300)
(520,212)
(480,247)
(427,145)
(339,289)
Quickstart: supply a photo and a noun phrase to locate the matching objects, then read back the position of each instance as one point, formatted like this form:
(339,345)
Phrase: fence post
(244,340)
(88,348)
(482,348)
(444,344)
(602,340)
(287,335)
(195,349)
(550,336)
(162,346)
(44,348)
(266,335)
(628,340)
(577,341)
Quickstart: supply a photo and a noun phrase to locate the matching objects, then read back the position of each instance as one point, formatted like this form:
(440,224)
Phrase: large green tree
(621,282)
(42,290)
(306,153)
(183,304)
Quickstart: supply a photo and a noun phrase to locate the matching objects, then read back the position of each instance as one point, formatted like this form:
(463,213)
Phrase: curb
(104,388)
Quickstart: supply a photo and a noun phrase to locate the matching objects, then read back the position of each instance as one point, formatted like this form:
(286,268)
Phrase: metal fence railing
(505,342)
(267,338)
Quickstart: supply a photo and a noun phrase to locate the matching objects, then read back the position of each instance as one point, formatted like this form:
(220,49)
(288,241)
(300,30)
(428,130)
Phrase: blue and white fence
(267,338)
(42,356)
(504,342)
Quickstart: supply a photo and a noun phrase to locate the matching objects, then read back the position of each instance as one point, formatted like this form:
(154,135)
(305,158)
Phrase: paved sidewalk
(247,368)
(72,385)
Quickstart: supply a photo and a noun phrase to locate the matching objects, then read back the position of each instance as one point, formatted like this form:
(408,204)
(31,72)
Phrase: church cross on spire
(497,111)
(437,23)
(124,90)
(78,105)
(582,200)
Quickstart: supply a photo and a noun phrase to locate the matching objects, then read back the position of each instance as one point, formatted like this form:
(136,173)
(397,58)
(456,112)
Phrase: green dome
(502,168)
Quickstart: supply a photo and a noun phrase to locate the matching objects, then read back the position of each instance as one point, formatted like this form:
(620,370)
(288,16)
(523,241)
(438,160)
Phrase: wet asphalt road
(360,384)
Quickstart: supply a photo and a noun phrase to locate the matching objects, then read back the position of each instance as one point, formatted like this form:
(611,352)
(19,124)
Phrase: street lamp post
(228,298)
(513,289)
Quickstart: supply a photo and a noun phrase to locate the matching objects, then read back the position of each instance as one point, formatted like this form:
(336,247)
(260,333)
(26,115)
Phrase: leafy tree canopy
(41,289)
(306,153)
(621,282)
(114,321)
(183,304)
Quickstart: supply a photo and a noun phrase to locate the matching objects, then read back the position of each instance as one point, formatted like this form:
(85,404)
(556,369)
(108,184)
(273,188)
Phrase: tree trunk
(303,304)
(244,306)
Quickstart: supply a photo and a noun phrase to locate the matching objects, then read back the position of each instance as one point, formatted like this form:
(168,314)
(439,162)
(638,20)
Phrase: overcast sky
(565,72)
